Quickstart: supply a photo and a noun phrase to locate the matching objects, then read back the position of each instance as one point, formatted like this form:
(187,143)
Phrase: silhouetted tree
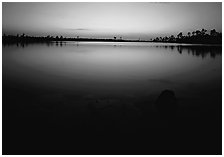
(166,38)
(172,38)
(180,35)
(197,37)
(203,31)
(198,33)
(48,37)
(213,32)
(189,34)
(23,35)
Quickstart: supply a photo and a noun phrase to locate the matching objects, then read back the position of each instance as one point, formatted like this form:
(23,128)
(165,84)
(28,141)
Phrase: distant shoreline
(24,39)
(117,41)
(142,41)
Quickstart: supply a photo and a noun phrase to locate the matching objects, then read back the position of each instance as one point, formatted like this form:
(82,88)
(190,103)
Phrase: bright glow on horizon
(129,20)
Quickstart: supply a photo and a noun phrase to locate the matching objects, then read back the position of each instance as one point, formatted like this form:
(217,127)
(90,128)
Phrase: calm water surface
(70,95)
(114,68)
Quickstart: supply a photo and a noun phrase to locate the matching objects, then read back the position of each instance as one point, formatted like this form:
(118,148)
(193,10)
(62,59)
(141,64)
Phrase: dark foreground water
(100,98)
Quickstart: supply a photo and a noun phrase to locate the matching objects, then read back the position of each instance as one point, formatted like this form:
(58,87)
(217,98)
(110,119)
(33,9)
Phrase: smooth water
(81,98)
(114,68)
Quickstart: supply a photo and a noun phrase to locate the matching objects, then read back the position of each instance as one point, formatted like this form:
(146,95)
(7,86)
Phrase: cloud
(79,29)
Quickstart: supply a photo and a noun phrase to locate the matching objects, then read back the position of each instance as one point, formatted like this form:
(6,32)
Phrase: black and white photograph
(111,78)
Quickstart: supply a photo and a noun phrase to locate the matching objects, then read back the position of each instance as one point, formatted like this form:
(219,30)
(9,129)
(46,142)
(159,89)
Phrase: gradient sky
(129,20)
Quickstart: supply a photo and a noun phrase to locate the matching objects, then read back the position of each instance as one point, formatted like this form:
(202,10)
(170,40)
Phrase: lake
(114,68)
(106,86)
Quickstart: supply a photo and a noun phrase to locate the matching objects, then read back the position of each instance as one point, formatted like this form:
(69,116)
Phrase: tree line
(7,39)
(196,37)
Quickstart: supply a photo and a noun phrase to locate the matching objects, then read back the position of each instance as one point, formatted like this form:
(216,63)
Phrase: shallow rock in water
(166,102)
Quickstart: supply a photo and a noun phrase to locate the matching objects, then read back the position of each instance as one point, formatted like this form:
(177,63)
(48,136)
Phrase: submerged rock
(166,102)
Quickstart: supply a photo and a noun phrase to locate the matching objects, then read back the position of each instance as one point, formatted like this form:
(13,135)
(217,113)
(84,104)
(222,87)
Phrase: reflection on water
(197,50)
(91,91)
(112,67)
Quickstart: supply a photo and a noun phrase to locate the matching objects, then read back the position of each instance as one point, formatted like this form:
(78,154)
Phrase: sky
(143,20)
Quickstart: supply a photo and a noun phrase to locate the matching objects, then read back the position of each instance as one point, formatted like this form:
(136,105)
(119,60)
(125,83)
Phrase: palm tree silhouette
(213,32)
(203,31)
(198,32)
(180,35)
(189,34)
